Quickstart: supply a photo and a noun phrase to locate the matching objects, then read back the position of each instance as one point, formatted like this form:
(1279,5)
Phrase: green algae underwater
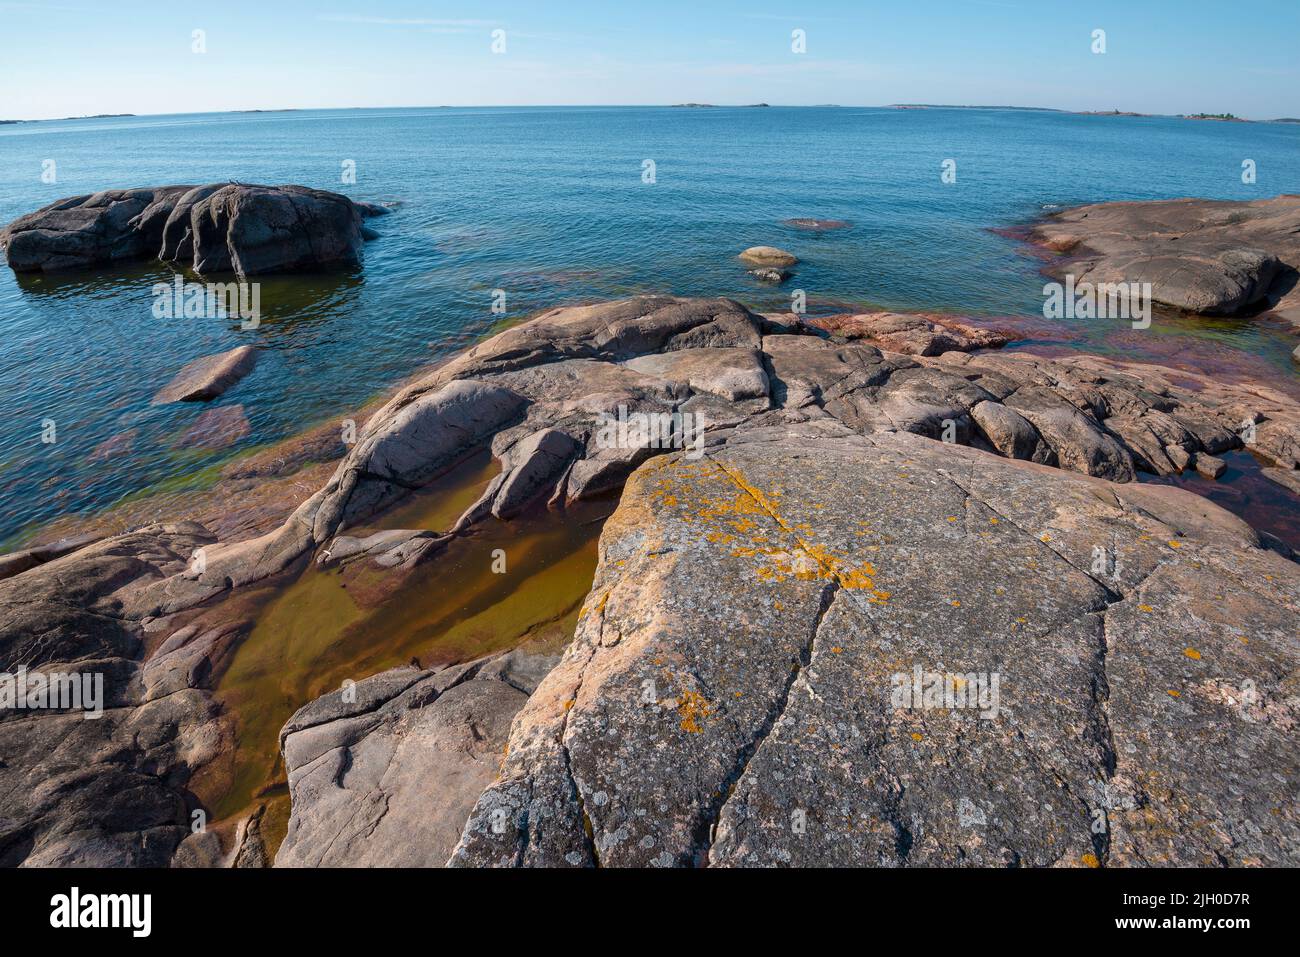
(318,627)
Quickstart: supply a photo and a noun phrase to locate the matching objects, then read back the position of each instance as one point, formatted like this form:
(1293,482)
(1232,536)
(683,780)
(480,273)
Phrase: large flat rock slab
(1210,256)
(732,694)
(389,782)
(208,377)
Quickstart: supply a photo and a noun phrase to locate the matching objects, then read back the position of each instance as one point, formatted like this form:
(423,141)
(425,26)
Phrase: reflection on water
(327,625)
(91,355)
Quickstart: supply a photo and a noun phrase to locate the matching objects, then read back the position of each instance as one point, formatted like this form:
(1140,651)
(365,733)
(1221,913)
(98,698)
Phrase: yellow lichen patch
(916,736)
(570,703)
(952,518)
(955,603)
(1146,608)
(692,706)
(993,521)
(1175,544)
(837,650)
(804,561)
(1174,694)
(1192,653)
(1090,860)
(1044,537)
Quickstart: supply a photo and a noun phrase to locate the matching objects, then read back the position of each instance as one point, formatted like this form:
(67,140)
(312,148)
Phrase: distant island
(952,106)
(714,106)
(97,116)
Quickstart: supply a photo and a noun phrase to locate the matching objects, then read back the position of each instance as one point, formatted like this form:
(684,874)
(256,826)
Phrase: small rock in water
(817,225)
(208,377)
(768,256)
(769,274)
(1209,466)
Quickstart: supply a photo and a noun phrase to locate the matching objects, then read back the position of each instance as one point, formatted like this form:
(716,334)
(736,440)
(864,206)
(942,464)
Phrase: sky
(84,57)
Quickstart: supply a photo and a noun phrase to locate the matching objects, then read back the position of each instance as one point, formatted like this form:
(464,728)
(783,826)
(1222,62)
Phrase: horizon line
(684,105)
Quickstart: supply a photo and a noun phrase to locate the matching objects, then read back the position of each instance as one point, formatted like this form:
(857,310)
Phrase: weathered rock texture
(213,229)
(1209,256)
(728,697)
(910,333)
(389,778)
(108,791)
(815,489)
(768,256)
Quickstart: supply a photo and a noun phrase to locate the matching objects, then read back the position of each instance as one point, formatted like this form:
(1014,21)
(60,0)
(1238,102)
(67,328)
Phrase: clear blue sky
(77,57)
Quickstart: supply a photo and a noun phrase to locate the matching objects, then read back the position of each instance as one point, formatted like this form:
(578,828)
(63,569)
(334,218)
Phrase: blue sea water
(549,204)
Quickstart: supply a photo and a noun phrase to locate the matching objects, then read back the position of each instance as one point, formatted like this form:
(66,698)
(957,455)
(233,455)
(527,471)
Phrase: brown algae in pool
(335,624)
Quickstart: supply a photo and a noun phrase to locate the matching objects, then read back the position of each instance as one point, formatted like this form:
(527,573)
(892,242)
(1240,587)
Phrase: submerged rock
(215,429)
(218,228)
(208,377)
(817,225)
(1287,478)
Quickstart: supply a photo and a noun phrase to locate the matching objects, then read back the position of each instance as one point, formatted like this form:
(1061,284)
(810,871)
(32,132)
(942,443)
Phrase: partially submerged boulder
(115,225)
(1208,256)
(209,377)
(218,228)
(768,257)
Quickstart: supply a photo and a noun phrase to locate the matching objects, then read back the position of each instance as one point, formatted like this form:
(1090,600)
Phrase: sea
(499,212)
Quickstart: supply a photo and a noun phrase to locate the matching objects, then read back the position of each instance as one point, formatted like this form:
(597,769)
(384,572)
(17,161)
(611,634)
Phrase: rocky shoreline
(870,496)
(1215,257)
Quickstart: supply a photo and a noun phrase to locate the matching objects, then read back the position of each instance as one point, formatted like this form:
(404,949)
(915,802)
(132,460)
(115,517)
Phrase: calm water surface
(549,205)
